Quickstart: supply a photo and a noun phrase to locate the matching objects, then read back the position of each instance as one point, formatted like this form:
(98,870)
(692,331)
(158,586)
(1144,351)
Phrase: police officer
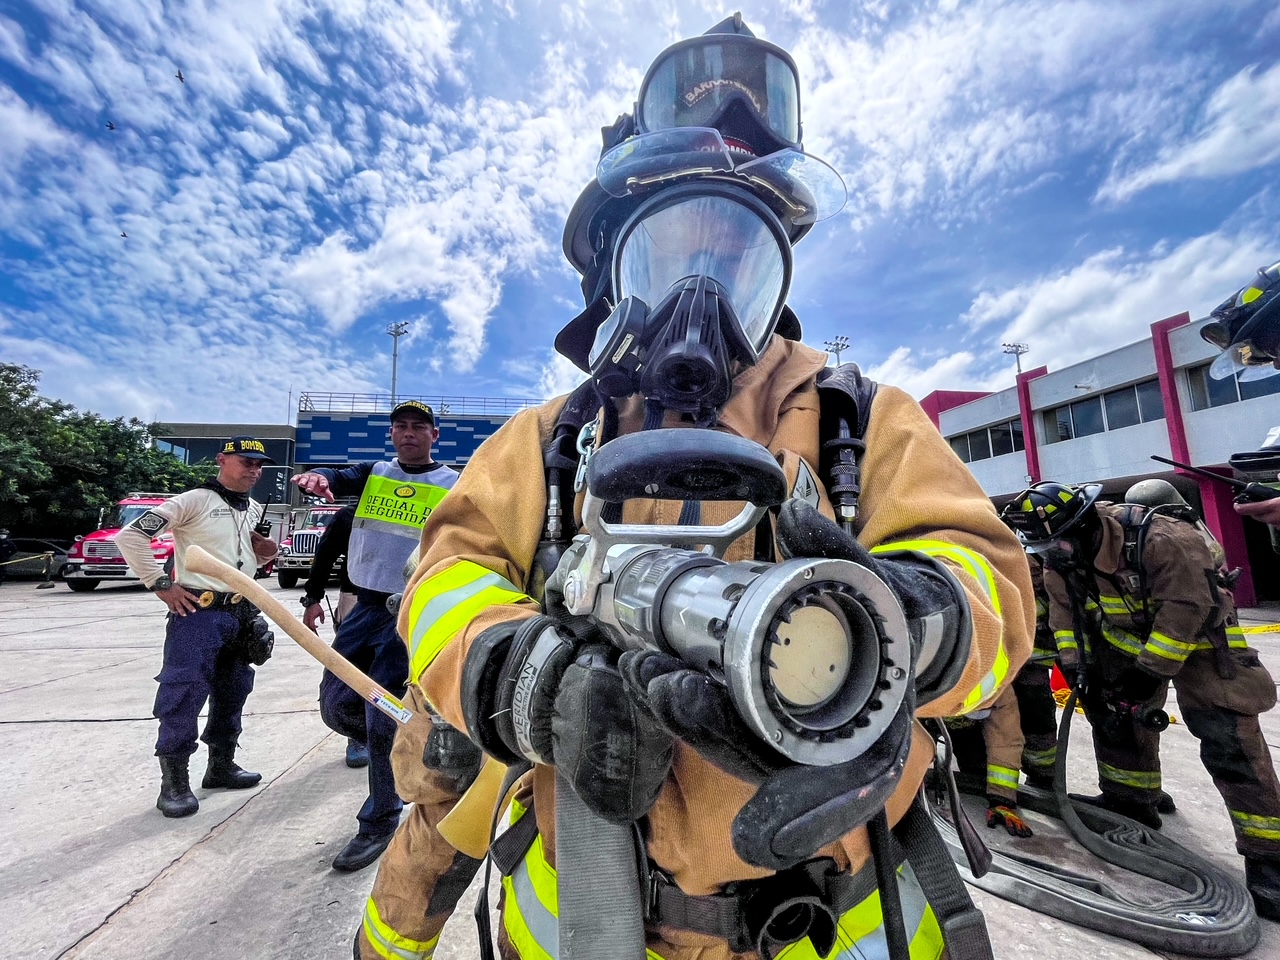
(395,498)
(207,629)
(681,331)
(1144,597)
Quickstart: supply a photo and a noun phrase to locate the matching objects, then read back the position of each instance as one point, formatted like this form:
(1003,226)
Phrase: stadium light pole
(395,331)
(1017,349)
(837,345)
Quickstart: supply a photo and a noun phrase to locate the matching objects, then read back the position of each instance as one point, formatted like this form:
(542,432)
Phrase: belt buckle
(206,599)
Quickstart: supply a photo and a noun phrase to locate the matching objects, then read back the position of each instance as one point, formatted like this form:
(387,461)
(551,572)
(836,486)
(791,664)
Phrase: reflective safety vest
(529,916)
(388,522)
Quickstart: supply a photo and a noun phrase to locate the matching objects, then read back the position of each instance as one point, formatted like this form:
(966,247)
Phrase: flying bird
(181,78)
(123,234)
(110,125)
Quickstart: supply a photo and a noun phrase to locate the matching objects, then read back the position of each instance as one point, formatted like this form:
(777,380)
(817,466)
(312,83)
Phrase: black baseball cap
(247,447)
(418,407)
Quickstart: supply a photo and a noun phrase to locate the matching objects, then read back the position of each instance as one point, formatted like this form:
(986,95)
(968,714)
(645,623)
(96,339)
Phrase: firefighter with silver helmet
(684,243)
(1134,603)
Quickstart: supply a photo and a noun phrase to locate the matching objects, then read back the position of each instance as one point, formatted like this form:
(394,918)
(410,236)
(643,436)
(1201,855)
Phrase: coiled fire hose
(1215,917)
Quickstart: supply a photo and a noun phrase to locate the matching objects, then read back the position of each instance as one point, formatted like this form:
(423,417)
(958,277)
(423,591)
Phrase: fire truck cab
(95,556)
(298,550)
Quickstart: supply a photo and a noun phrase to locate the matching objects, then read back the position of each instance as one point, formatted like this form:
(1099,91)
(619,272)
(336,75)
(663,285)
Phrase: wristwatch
(309,602)
(161,582)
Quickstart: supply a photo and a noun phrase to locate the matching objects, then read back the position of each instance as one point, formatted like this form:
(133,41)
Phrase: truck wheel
(80,585)
(288,578)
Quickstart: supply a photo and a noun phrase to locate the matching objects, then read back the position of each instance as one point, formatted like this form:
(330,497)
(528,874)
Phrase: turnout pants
(1128,755)
(1038,714)
(420,877)
(198,666)
(990,748)
(1223,715)
(367,637)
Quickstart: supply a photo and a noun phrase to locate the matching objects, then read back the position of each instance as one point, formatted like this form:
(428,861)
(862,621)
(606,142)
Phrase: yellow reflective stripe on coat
(1065,639)
(529,915)
(391,945)
(444,604)
(1005,777)
(1236,638)
(1138,779)
(1256,826)
(977,567)
(1122,640)
(1170,649)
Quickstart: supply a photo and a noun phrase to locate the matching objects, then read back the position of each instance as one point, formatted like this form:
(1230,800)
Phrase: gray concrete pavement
(89,869)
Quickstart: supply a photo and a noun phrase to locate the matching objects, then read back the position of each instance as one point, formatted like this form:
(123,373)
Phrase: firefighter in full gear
(1141,593)
(1156,493)
(684,240)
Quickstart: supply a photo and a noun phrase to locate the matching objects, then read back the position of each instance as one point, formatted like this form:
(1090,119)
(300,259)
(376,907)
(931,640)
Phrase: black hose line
(1215,918)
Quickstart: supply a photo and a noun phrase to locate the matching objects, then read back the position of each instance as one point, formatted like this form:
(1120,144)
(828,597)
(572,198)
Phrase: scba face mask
(701,271)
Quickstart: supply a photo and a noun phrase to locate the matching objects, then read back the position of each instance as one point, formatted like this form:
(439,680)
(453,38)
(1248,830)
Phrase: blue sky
(1060,173)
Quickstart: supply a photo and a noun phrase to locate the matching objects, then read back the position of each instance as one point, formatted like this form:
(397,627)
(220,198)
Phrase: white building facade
(1102,419)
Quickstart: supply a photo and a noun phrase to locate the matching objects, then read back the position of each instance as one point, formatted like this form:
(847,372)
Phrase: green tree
(58,466)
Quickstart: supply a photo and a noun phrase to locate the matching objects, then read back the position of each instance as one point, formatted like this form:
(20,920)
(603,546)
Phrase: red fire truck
(95,556)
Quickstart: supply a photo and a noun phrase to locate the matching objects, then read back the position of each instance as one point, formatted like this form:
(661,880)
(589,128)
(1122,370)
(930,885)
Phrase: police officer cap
(418,407)
(247,447)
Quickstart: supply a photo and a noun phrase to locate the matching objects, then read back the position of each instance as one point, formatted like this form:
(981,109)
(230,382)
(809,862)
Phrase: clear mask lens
(711,236)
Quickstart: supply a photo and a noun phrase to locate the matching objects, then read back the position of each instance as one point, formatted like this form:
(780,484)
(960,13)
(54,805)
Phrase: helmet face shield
(802,189)
(695,82)
(727,235)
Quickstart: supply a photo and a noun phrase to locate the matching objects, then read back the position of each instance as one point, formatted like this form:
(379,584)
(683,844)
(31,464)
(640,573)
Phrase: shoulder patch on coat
(806,486)
(151,523)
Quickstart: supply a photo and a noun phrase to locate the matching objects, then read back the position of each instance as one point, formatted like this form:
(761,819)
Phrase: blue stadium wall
(335,438)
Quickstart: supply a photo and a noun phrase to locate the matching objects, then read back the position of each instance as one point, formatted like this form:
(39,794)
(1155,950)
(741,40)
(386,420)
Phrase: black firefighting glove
(1005,813)
(1135,685)
(450,753)
(535,690)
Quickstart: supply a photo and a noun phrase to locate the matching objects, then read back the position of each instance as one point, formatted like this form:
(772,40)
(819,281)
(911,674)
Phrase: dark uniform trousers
(200,664)
(367,637)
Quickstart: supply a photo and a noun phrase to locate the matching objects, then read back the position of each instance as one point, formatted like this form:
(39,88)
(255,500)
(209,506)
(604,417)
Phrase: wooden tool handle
(201,561)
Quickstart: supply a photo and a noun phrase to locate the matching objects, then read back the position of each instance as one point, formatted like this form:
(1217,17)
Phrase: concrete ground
(89,869)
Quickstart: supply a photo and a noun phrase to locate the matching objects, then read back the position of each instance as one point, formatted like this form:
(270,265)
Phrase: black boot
(1145,813)
(223,771)
(176,798)
(1262,877)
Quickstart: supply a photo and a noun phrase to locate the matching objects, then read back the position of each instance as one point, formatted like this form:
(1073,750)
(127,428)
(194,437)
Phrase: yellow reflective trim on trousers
(529,917)
(1138,779)
(1002,777)
(1255,825)
(1039,758)
(391,945)
(444,604)
(977,567)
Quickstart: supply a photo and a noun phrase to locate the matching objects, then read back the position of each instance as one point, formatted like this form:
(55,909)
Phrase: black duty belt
(218,600)
(374,598)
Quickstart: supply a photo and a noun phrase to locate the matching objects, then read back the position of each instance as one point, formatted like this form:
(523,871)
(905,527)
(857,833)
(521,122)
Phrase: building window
(1207,392)
(993,441)
(1113,410)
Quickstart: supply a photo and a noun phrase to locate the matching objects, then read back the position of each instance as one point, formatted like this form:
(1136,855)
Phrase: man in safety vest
(682,330)
(1150,610)
(396,498)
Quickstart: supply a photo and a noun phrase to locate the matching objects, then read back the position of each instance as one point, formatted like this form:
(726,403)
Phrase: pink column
(1225,523)
(1032,445)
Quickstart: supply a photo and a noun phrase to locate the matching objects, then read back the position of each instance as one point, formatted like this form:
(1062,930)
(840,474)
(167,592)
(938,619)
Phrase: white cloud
(1235,134)
(1113,297)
